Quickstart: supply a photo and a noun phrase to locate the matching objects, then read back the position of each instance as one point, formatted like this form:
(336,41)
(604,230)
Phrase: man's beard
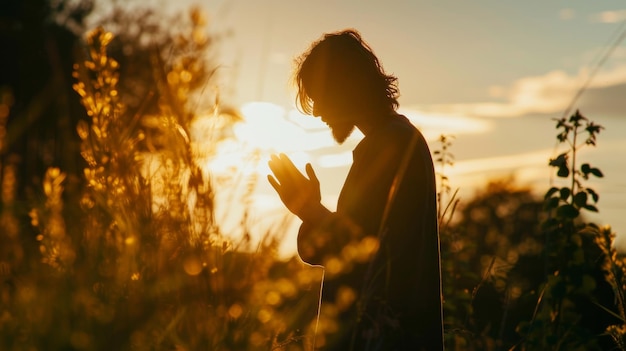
(341,131)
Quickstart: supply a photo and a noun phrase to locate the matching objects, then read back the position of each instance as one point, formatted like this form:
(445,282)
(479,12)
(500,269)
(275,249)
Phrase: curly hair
(344,65)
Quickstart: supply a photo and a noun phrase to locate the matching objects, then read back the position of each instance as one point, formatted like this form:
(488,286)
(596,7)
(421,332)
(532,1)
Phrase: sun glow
(267,129)
(238,164)
(271,128)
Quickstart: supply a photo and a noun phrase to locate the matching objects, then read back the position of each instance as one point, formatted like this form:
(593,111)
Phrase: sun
(267,129)
(238,164)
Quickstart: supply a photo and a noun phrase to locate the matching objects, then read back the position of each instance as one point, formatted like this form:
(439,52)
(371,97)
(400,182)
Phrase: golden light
(192,265)
(235,311)
(270,127)
(266,129)
(264,315)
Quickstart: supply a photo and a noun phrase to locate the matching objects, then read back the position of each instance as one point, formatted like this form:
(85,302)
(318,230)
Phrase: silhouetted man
(381,247)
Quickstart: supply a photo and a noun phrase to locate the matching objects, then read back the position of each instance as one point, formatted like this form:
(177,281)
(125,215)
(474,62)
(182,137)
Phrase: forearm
(325,236)
(313,212)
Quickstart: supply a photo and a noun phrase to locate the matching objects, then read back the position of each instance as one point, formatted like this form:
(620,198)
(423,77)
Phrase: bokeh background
(134,137)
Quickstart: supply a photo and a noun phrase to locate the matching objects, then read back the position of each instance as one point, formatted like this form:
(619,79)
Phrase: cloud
(544,94)
(609,16)
(432,125)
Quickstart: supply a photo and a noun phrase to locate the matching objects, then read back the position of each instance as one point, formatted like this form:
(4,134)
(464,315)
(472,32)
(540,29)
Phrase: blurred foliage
(490,264)
(180,55)
(134,259)
(520,272)
(108,235)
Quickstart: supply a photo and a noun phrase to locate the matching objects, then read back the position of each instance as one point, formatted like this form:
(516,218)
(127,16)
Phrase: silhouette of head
(341,72)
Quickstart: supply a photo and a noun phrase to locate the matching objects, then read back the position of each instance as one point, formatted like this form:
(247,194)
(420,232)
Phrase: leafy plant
(571,199)
(561,320)
(444,158)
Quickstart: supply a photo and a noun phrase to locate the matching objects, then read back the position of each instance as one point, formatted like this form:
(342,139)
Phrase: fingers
(311,173)
(274,183)
(284,170)
(288,165)
(294,188)
(277,167)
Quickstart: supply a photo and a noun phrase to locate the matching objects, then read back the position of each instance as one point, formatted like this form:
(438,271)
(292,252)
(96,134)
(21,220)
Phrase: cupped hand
(301,195)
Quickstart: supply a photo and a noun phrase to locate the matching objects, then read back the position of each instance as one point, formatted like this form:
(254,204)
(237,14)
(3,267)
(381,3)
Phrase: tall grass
(135,259)
(132,263)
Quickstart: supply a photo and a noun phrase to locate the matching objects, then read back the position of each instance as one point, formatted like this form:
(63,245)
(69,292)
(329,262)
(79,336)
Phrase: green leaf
(596,172)
(563,172)
(576,118)
(593,128)
(550,192)
(565,193)
(580,199)
(591,208)
(585,168)
(567,211)
(593,194)
(559,161)
(551,203)
(560,122)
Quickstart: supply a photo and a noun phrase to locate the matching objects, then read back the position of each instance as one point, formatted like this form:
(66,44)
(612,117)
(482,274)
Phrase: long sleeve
(321,241)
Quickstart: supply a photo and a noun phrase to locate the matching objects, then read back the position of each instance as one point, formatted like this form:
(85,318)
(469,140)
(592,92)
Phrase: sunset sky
(493,73)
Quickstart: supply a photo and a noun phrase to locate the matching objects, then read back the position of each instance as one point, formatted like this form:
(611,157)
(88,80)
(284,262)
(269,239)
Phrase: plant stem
(573,169)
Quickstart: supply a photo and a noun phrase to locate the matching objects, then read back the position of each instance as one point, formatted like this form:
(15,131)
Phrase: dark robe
(398,303)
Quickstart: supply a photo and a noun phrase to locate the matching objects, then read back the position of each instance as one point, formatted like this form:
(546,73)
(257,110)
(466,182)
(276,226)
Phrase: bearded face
(341,131)
(336,115)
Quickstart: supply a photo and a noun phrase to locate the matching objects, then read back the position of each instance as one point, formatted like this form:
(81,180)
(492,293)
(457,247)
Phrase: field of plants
(109,239)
